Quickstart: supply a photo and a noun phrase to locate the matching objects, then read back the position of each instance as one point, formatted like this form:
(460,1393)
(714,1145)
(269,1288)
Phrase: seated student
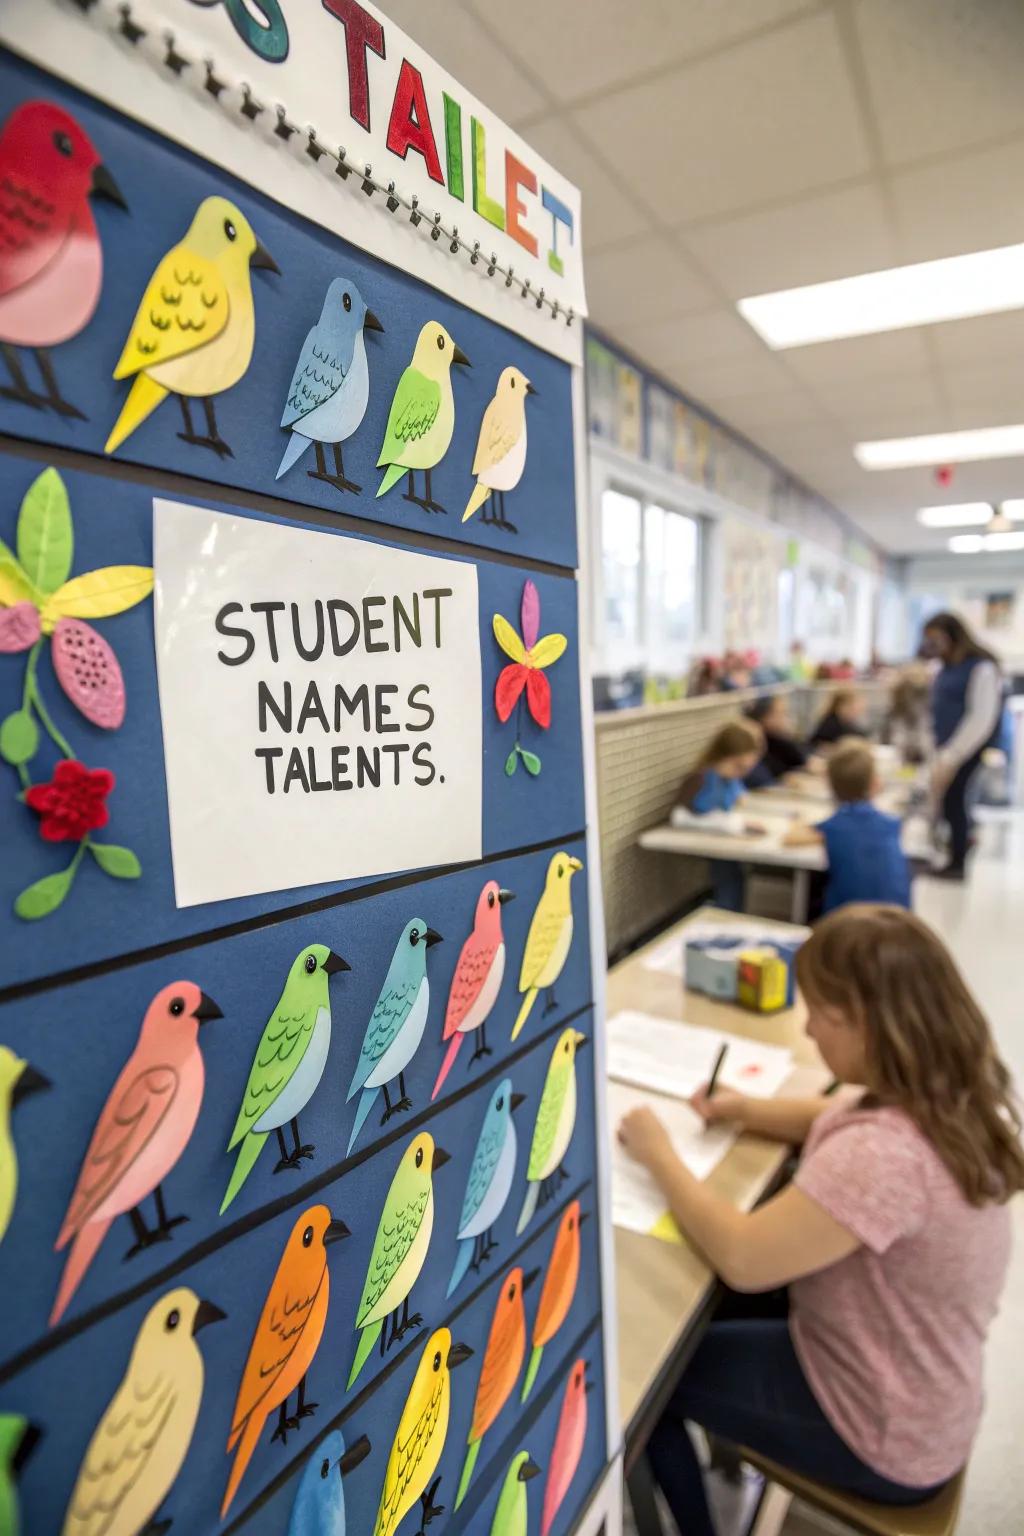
(713,791)
(844,717)
(782,752)
(908,719)
(865,859)
(893,1238)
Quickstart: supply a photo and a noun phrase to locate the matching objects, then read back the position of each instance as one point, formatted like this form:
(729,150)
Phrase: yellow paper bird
(194,330)
(547,943)
(419,1439)
(501,448)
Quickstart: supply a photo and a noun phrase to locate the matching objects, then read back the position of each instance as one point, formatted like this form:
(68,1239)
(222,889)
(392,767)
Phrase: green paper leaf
(19,738)
(45,537)
(45,896)
(119,862)
(511,763)
(15,586)
(531,762)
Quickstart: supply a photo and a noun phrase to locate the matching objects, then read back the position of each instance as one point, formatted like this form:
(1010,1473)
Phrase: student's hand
(644,1137)
(726,1104)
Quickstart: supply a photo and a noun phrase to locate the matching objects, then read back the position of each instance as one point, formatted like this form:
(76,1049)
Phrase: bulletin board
(303,1197)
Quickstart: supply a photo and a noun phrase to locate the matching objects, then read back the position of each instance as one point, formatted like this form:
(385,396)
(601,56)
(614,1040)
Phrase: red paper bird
(477,980)
(51,260)
(568,1447)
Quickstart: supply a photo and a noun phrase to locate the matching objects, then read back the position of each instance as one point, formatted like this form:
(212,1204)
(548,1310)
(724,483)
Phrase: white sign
(321,705)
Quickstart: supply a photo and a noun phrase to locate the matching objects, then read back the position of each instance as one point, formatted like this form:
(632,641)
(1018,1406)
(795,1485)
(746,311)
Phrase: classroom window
(620,569)
(650,583)
(671,550)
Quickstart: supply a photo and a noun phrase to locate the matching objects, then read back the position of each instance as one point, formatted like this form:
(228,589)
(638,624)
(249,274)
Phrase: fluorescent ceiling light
(963,514)
(975,543)
(941,448)
(982,283)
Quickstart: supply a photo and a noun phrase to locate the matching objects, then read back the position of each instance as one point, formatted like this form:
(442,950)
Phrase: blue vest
(865,860)
(949,699)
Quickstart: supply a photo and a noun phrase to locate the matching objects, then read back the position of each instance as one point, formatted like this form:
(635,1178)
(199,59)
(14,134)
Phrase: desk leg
(800,896)
(640,1485)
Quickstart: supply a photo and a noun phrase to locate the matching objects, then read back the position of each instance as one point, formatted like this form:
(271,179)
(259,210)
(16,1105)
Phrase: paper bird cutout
(568,1446)
(477,980)
(51,259)
(558,1291)
(287,1067)
(549,938)
(194,330)
(553,1128)
(18,1439)
(285,1343)
(501,449)
(140,1443)
(511,1517)
(499,1371)
(490,1182)
(319,1507)
(420,1437)
(524,677)
(144,1128)
(422,416)
(17,1080)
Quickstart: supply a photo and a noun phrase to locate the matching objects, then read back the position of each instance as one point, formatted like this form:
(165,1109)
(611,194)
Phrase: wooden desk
(665,1292)
(768,848)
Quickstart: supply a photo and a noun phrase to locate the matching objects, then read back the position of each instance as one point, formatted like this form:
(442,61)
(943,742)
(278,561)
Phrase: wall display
(300,1118)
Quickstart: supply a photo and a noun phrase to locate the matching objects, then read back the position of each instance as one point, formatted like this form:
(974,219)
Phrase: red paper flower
(529,658)
(73,804)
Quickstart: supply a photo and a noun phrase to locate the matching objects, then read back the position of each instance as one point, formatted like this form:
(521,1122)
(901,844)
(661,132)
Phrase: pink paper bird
(477,980)
(568,1447)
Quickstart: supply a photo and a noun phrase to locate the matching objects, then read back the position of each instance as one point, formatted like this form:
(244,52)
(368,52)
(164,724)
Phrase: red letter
(362,31)
(409,127)
(516,176)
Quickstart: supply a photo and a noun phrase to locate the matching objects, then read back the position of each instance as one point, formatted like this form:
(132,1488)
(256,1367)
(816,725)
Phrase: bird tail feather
(83,1251)
(462,1258)
(297,445)
(363,1108)
(479,495)
(529,1206)
(392,475)
(467,1470)
(446,1065)
(367,1339)
(247,1443)
(143,398)
(524,1012)
(531,1371)
(248,1152)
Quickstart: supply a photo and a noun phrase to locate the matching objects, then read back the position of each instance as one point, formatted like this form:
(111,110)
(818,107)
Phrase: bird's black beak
(353,1455)
(104,185)
(334,963)
(207,1009)
(458,1355)
(206,1313)
(371,323)
(516,1100)
(528,1469)
(439,1159)
(504,897)
(30,1438)
(336,1230)
(261,257)
(581,1041)
(433,937)
(584,1216)
(588,1385)
(529,1278)
(30,1081)
(458,356)
(530,389)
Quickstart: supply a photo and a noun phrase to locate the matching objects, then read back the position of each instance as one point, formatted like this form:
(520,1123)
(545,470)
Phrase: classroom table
(665,1293)
(767,847)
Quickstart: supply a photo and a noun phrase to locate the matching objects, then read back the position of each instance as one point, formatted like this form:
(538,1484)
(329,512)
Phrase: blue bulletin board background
(75,986)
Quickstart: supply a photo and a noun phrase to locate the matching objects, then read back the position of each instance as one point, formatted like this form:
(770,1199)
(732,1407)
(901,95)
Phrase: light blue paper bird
(330,387)
(319,1505)
(396,1026)
(490,1180)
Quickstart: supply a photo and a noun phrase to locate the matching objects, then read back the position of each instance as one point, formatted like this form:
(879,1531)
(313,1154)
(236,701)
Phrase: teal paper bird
(422,417)
(490,1181)
(396,1026)
(319,1507)
(287,1067)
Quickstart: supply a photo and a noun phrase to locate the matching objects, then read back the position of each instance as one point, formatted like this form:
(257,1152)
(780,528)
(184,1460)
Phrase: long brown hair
(929,1049)
(735,739)
(961,638)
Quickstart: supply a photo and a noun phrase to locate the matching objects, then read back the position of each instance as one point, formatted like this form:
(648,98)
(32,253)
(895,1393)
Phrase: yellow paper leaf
(508,639)
(15,586)
(665,1228)
(98,594)
(547,650)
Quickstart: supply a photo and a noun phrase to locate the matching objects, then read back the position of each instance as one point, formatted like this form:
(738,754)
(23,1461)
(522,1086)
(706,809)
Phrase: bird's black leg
(284,1424)
(384,1345)
(503,521)
(487,515)
(300,1149)
(305,1410)
(404,1102)
(213,438)
(189,434)
(339,479)
(477,1258)
(284,1161)
(388,1108)
(415,1321)
(550,1002)
(563,1173)
(54,399)
(144,1238)
(18,389)
(483,1049)
(430,1509)
(393,1333)
(488,1243)
(429,502)
(165,1222)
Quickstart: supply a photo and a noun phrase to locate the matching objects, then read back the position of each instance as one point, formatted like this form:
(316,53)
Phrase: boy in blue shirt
(865,859)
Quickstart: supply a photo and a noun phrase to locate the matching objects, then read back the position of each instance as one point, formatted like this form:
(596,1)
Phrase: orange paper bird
(503,1360)
(558,1290)
(286,1339)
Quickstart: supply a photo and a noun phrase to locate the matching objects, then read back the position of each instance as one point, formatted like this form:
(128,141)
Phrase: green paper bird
(399,1249)
(18,1438)
(288,1065)
(553,1128)
(422,416)
(512,1512)
(17,1081)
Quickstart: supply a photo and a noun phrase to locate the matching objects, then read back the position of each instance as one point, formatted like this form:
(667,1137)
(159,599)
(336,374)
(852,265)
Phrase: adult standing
(967,708)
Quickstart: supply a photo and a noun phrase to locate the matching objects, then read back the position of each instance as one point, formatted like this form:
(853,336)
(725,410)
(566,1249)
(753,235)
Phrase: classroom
(512,711)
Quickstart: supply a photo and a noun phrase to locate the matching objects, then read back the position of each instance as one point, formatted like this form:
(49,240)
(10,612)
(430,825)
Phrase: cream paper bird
(501,449)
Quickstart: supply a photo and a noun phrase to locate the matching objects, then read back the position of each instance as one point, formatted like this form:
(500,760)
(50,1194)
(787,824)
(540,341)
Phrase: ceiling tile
(455,38)
(858,357)
(720,380)
(609,215)
(996,337)
(733,130)
(763,411)
(960,204)
(942,77)
(642,281)
(851,397)
(691,339)
(985,394)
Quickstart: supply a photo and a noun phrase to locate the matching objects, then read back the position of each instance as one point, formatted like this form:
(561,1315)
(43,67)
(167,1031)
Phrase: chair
(936,1517)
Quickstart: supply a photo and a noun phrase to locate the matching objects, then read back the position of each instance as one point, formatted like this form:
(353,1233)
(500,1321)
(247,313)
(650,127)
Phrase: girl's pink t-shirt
(891,1338)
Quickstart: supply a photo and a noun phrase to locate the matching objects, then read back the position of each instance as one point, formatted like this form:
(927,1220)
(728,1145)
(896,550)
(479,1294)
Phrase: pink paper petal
(530,615)
(89,673)
(19,628)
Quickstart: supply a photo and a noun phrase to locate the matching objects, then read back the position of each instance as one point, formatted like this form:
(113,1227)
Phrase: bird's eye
(172,1320)
(437,1361)
(565,1047)
(230,230)
(307,1237)
(512,382)
(440,343)
(511,1293)
(501,1103)
(561,871)
(177,1006)
(62,144)
(572,1222)
(579,1377)
(325,1467)
(310,964)
(346,299)
(414,937)
(419,1157)
(490,898)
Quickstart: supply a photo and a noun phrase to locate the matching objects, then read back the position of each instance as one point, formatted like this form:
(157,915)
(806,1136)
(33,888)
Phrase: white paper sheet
(675,1059)
(668,958)
(637,1203)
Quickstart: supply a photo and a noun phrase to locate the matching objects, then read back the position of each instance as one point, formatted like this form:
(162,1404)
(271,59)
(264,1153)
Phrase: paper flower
(73,803)
(529,658)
